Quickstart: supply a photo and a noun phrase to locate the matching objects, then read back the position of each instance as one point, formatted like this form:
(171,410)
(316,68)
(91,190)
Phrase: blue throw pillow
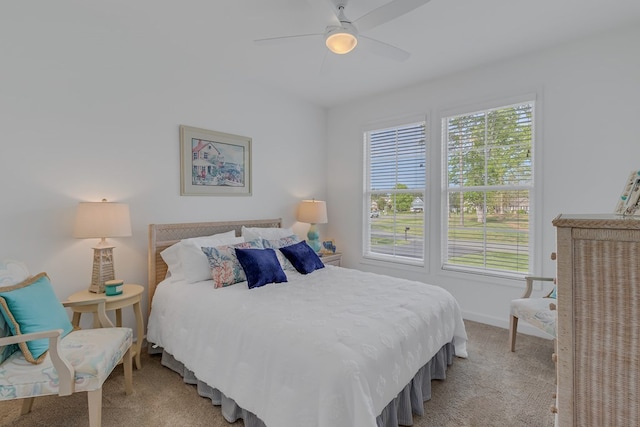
(261,266)
(303,258)
(32,306)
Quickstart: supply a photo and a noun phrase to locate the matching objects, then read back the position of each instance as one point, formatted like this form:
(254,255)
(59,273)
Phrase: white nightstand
(331,259)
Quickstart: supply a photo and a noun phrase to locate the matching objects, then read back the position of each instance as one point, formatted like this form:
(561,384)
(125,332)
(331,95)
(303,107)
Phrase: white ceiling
(443,36)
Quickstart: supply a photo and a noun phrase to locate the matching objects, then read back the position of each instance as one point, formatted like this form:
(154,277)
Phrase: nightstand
(130,296)
(331,259)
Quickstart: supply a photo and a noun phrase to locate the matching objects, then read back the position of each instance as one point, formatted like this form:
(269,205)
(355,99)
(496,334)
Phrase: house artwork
(216,164)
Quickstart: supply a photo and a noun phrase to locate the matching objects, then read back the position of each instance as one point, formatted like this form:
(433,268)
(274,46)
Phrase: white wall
(90,106)
(589,142)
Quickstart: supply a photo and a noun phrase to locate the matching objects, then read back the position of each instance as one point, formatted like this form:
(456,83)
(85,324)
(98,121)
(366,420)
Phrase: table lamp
(102,220)
(313,212)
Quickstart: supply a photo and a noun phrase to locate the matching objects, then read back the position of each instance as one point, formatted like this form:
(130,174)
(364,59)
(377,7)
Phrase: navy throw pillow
(303,258)
(261,266)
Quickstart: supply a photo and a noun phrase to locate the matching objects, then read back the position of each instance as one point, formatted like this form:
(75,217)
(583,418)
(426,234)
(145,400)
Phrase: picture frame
(629,201)
(328,247)
(214,163)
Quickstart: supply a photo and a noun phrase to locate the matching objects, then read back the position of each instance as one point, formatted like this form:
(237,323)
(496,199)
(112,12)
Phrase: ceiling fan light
(341,42)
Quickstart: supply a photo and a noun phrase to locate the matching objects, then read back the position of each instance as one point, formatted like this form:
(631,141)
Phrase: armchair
(538,312)
(79,361)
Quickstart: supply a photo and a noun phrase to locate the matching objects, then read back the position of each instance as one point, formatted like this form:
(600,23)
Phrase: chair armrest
(66,373)
(15,339)
(530,279)
(105,322)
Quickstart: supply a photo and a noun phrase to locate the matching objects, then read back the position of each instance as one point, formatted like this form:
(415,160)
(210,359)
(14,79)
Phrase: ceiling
(443,36)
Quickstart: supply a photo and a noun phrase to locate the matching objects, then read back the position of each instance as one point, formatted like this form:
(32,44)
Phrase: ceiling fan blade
(284,39)
(383,49)
(386,13)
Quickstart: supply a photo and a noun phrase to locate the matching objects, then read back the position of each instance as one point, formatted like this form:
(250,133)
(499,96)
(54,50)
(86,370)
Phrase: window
(394,194)
(487,190)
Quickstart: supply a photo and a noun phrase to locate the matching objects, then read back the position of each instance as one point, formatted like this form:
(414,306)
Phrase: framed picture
(629,201)
(328,247)
(214,163)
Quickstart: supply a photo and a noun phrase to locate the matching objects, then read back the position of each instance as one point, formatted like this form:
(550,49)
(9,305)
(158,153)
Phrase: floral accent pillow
(253,233)
(225,267)
(5,331)
(281,243)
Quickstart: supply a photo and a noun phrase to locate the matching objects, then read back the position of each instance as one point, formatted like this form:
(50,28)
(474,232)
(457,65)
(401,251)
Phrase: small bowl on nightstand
(113,287)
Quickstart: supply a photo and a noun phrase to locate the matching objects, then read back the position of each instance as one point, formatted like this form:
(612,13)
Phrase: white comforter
(328,349)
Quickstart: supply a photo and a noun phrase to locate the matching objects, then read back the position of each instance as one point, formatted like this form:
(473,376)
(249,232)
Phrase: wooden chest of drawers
(598,262)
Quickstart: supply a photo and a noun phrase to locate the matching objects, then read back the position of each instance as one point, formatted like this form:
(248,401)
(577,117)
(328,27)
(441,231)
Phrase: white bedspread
(328,349)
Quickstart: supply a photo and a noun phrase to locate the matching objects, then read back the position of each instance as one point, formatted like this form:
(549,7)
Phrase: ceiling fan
(343,36)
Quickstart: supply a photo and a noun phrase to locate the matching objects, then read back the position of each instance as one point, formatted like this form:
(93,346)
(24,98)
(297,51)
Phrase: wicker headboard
(161,236)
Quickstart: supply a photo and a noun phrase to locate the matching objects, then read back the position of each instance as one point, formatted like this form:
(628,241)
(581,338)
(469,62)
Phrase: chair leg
(127,363)
(513,329)
(94,398)
(27,403)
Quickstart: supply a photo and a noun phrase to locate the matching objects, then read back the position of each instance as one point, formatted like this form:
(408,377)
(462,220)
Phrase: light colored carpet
(493,387)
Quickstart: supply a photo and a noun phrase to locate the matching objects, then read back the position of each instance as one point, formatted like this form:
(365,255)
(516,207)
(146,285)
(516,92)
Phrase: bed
(335,347)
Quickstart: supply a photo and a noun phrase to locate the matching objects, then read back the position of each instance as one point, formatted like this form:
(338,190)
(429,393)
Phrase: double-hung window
(487,190)
(394,193)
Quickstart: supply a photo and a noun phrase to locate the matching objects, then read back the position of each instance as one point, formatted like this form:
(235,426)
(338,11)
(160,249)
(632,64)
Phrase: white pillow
(172,255)
(253,233)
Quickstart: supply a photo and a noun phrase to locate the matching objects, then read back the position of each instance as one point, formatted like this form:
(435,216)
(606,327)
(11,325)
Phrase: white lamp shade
(312,212)
(102,219)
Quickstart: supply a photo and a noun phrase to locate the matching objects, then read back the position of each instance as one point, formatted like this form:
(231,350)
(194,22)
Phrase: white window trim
(399,121)
(535,195)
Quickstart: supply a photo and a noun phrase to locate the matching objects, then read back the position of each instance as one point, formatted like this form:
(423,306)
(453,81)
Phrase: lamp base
(103,269)
(313,238)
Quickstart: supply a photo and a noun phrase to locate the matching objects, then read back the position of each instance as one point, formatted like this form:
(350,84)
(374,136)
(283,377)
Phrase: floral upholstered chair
(40,353)
(538,312)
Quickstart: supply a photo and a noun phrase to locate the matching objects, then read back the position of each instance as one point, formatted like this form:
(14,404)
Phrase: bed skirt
(399,412)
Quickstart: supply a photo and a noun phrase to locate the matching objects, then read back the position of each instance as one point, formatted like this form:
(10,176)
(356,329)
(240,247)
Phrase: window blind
(394,192)
(489,183)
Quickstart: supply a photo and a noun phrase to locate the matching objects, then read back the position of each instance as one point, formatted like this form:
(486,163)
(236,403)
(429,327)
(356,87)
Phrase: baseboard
(523,328)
